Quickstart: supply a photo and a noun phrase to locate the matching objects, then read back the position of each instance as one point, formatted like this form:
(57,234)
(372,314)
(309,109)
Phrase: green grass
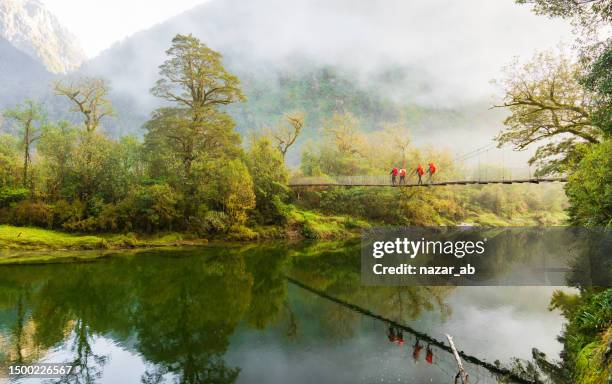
(313,225)
(28,239)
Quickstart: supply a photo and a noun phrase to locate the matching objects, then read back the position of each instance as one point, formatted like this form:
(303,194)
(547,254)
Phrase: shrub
(9,196)
(89,224)
(240,232)
(588,187)
(215,222)
(146,208)
(64,211)
(32,213)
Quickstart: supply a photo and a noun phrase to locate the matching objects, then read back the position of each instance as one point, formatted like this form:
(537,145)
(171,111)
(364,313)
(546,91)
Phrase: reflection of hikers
(395,335)
(417,350)
(399,340)
(393,173)
(402,174)
(419,172)
(429,355)
(391,334)
(431,171)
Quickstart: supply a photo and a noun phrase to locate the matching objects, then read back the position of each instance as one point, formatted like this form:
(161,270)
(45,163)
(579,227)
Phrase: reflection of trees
(87,365)
(17,343)
(186,317)
(269,286)
(336,271)
(181,310)
(587,312)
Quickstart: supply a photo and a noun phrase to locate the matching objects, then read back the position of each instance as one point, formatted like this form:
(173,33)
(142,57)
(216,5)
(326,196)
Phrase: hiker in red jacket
(431,170)
(393,174)
(419,172)
(402,174)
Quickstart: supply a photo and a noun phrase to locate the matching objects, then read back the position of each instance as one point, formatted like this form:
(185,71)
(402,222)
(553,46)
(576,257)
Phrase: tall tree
(57,146)
(547,104)
(89,97)
(194,78)
(194,133)
(286,133)
(28,118)
(342,130)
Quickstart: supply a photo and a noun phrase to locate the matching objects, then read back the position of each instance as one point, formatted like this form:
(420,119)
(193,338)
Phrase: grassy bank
(300,225)
(29,239)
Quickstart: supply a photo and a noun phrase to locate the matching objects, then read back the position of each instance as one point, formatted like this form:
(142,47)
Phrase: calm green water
(224,314)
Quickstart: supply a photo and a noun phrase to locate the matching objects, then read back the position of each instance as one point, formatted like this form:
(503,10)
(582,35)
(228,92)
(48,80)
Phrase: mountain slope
(20,75)
(30,27)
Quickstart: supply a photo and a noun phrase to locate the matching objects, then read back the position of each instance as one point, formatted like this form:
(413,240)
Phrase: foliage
(194,77)
(152,208)
(32,213)
(186,142)
(9,162)
(587,12)
(57,146)
(546,101)
(589,187)
(267,169)
(588,325)
(28,118)
(312,225)
(286,133)
(235,191)
(10,195)
(89,97)
(599,81)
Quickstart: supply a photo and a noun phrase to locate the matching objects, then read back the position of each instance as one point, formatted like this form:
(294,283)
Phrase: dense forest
(191,173)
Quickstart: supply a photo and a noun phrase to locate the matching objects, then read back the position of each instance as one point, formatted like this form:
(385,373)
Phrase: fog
(438,54)
(453,48)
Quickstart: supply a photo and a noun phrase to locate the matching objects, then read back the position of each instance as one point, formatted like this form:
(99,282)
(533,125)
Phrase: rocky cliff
(31,28)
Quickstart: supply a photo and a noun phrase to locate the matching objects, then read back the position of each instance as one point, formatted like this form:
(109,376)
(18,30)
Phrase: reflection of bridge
(497,370)
(385,181)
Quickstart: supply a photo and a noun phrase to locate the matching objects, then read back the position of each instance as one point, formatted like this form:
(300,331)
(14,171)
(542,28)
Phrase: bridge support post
(461,374)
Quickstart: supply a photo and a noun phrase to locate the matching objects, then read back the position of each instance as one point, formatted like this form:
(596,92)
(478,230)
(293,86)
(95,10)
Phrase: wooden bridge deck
(359,181)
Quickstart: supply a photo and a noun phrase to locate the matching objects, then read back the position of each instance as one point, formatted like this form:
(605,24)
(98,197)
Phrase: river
(228,313)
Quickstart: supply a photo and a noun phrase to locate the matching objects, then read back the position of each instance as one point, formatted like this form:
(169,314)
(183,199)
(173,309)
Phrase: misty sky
(99,23)
(412,26)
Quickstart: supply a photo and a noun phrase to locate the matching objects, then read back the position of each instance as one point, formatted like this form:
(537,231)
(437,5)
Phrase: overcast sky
(99,23)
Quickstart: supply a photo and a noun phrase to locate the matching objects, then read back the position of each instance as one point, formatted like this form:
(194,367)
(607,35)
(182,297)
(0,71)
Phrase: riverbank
(301,225)
(37,239)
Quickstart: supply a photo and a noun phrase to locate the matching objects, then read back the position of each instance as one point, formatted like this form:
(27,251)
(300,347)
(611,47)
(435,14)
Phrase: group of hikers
(419,171)
(396,336)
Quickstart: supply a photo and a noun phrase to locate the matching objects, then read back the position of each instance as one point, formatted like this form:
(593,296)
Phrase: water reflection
(202,316)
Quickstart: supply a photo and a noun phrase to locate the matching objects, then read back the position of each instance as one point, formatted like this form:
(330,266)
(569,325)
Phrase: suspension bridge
(385,181)
(482,166)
